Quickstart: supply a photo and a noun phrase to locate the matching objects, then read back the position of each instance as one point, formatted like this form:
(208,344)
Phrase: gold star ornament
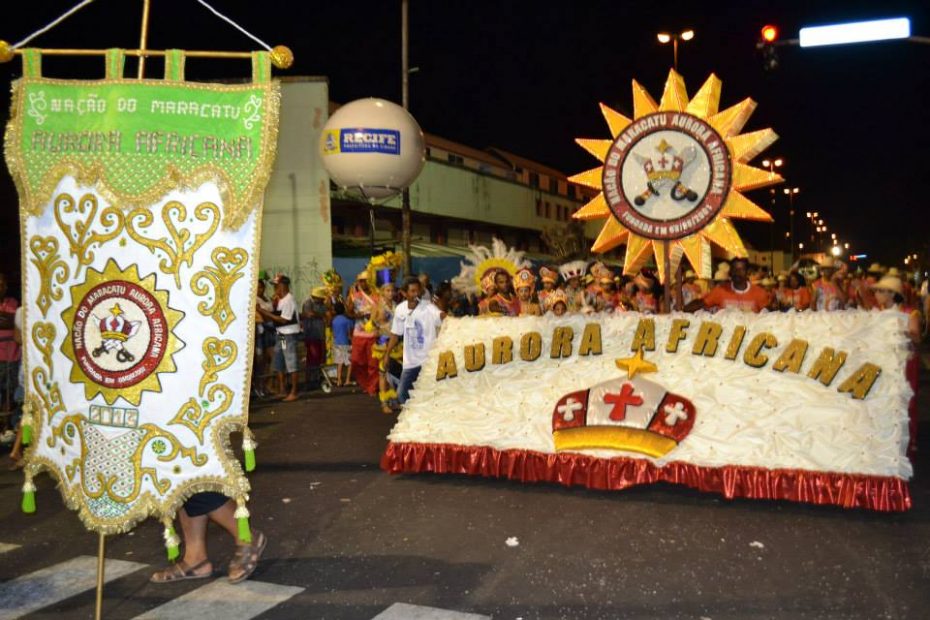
(636,364)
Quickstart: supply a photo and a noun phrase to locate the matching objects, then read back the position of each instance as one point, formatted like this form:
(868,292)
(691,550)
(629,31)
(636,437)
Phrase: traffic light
(766,46)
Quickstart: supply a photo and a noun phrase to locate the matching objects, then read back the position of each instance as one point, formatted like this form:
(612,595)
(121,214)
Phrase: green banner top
(137,140)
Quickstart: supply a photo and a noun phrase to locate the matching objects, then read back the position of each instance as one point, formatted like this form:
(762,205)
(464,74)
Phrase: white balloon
(373,147)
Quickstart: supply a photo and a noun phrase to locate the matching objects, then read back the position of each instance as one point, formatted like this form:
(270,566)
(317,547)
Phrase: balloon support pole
(101,564)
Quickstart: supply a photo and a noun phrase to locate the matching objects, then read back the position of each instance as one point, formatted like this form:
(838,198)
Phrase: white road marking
(403,611)
(4,547)
(53,584)
(221,600)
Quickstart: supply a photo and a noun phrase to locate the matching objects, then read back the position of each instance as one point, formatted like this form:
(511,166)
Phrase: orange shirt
(798,298)
(753,299)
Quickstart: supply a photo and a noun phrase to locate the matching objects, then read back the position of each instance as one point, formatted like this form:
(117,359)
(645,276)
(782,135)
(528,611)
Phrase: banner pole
(101,547)
(143,39)
(668,276)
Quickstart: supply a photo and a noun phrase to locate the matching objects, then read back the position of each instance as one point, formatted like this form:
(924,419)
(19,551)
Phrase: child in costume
(524,283)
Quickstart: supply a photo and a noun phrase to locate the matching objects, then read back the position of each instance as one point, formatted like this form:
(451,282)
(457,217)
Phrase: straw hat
(319,292)
(876,268)
(828,263)
(766,281)
(893,272)
(889,283)
(690,275)
(721,275)
(782,277)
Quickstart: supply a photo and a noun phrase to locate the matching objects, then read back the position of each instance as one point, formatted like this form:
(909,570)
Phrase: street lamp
(791,192)
(684,35)
(771,164)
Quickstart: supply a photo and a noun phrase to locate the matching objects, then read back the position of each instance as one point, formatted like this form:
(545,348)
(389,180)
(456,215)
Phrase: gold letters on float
(708,339)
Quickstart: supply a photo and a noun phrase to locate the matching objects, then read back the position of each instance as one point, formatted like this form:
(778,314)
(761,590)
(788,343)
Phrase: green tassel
(27,434)
(29,502)
(245,533)
(249,460)
(174,550)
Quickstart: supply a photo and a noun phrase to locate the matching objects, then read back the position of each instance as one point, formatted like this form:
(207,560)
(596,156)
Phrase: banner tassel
(242,521)
(172,542)
(248,449)
(29,497)
(27,425)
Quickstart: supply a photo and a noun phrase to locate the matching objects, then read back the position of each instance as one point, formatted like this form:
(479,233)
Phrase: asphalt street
(348,541)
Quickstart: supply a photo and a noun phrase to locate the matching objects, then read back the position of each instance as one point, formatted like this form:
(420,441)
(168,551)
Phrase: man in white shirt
(418,322)
(287,324)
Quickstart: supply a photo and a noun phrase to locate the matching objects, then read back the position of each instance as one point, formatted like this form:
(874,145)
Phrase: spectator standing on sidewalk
(288,327)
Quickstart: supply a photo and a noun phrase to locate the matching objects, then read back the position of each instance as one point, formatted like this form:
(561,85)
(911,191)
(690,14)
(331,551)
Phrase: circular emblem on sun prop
(120,334)
(667,175)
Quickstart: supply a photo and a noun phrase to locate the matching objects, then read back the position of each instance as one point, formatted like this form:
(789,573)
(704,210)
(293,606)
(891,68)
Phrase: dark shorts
(204,503)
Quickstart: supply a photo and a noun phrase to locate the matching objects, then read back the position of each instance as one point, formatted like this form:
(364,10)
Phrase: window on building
(458,160)
(534,179)
(428,152)
(548,210)
(571,191)
(539,208)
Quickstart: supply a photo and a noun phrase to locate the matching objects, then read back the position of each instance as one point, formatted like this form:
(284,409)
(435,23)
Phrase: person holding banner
(889,295)
(739,293)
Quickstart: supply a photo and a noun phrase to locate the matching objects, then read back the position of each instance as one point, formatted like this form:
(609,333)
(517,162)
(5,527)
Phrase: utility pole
(405,96)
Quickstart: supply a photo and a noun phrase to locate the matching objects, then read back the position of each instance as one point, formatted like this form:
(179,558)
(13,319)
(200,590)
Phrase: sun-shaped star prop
(675,172)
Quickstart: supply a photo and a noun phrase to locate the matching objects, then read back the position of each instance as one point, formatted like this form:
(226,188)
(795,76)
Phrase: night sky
(527,76)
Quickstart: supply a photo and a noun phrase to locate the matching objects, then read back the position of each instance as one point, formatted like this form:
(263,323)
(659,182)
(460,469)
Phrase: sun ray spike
(674,97)
(612,234)
(598,148)
(588,178)
(693,247)
(731,121)
(724,234)
(596,208)
(747,178)
(706,101)
(637,251)
(746,146)
(739,207)
(616,121)
(643,103)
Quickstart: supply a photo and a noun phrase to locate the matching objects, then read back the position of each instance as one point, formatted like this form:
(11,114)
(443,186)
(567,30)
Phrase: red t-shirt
(753,299)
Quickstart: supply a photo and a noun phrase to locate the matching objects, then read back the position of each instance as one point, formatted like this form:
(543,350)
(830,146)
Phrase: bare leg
(292,395)
(195,560)
(225,517)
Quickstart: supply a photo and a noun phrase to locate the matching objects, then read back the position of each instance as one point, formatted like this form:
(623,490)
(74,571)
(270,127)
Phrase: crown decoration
(332,279)
(115,327)
(524,279)
(555,297)
(574,269)
(382,268)
(630,414)
(548,275)
(485,262)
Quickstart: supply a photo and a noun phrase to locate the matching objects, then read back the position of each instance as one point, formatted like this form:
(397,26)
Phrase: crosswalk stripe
(221,600)
(53,584)
(403,611)
(4,547)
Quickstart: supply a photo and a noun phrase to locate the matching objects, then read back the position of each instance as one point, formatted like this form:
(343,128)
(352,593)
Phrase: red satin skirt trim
(882,493)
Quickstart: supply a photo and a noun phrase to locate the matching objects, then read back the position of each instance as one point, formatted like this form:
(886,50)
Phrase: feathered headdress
(383,268)
(486,261)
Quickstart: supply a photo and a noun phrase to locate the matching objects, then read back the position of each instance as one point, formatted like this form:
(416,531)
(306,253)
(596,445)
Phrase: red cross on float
(625,414)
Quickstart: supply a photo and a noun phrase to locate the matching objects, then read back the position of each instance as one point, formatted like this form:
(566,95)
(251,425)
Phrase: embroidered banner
(803,406)
(141,207)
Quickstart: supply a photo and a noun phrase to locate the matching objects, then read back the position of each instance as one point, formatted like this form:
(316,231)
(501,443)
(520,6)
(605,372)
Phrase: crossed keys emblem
(114,332)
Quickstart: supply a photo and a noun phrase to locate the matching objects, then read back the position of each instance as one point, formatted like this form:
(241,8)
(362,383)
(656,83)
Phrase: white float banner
(824,392)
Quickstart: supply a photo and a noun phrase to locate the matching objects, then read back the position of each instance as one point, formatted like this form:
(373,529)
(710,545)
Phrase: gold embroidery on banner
(218,356)
(43,336)
(196,416)
(112,467)
(237,205)
(83,232)
(48,392)
(227,268)
(52,270)
(179,249)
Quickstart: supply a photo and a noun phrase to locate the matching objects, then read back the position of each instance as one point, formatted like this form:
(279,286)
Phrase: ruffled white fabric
(745,416)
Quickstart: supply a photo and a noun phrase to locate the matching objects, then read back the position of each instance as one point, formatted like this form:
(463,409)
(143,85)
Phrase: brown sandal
(178,572)
(246,559)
